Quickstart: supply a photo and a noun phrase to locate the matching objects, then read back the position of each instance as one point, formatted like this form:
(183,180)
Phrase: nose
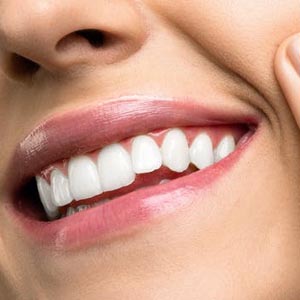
(60,35)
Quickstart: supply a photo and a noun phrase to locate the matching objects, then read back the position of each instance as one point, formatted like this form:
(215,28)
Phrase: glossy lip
(69,134)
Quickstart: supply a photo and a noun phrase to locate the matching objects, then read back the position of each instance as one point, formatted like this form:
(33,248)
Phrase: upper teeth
(145,155)
(175,151)
(61,194)
(83,177)
(116,167)
(201,151)
(225,147)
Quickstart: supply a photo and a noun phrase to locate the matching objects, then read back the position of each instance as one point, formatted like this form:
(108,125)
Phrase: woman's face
(77,76)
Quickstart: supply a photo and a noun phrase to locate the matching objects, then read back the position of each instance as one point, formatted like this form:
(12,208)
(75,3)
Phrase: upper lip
(93,126)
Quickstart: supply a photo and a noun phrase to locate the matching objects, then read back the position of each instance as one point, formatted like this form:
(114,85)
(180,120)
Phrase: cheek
(242,35)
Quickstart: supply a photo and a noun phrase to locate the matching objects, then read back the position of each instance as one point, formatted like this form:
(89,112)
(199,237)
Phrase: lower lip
(127,213)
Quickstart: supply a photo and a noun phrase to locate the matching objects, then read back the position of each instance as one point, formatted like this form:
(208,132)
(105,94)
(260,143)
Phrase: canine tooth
(61,195)
(46,198)
(225,147)
(201,151)
(70,211)
(115,167)
(175,151)
(84,178)
(145,155)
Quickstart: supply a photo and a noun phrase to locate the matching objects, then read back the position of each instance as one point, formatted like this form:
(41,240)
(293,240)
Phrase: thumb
(287,70)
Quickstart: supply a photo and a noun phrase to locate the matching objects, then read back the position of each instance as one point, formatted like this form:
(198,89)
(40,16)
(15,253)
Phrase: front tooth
(115,167)
(201,151)
(175,151)
(84,178)
(145,155)
(46,198)
(60,189)
(225,147)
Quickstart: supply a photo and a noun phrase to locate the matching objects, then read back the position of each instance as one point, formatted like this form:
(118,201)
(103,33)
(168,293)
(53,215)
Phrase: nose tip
(59,35)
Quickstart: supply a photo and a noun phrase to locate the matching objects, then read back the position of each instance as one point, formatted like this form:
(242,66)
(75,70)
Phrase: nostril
(92,37)
(96,38)
(20,68)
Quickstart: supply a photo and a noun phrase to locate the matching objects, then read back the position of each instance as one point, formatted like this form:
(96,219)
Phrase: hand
(287,69)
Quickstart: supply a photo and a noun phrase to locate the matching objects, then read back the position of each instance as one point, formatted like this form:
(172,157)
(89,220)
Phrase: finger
(287,70)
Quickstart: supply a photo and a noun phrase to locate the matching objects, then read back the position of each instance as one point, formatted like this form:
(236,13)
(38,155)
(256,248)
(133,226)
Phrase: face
(147,151)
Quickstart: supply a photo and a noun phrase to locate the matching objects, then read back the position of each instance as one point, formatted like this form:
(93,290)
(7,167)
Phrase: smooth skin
(250,249)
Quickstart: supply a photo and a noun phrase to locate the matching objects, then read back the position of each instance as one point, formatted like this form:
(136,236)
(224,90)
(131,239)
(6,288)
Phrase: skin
(250,250)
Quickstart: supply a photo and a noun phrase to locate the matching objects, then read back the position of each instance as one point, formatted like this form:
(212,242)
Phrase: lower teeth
(164,181)
(73,210)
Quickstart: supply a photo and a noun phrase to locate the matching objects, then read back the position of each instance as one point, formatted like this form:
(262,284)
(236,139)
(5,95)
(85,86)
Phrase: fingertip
(288,55)
(287,70)
(293,53)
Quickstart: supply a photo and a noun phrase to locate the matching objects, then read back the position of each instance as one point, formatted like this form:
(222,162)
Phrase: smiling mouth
(102,169)
(84,181)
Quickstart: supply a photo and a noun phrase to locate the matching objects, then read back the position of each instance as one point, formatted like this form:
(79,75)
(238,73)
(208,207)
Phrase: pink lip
(91,128)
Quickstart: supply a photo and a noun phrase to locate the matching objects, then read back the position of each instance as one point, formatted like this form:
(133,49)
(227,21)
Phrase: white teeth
(73,210)
(225,147)
(46,198)
(82,207)
(201,151)
(163,181)
(61,195)
(70,211)
(175,151)
(84,178)
(115,168)
(145,155)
